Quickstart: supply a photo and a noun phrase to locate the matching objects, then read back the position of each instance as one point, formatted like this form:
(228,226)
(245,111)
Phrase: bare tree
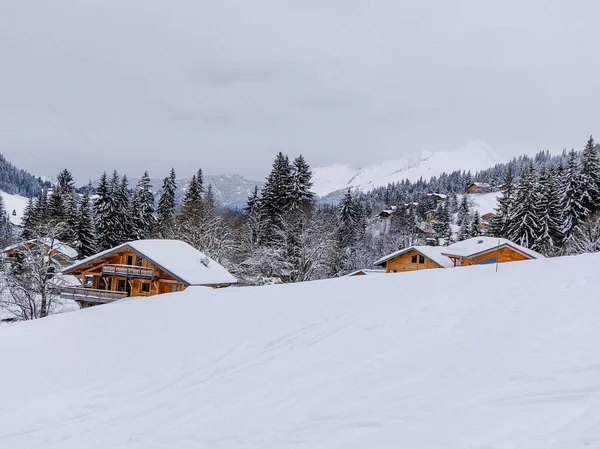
(32,280)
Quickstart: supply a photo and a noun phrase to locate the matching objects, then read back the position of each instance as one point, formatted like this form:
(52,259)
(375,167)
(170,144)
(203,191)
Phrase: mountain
(463,358)
(474,156)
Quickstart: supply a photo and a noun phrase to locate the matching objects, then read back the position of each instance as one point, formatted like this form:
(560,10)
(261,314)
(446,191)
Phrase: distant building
(143,268)
(486,218)
(60,252)
(479,187)
(475,251)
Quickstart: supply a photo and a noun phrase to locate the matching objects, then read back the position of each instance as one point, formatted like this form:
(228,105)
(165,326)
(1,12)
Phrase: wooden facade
(53,251)
(497,255)
(412,260)
(124,272)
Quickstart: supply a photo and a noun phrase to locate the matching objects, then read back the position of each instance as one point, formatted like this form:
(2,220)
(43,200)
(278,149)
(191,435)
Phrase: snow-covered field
(15,203)
(459,358)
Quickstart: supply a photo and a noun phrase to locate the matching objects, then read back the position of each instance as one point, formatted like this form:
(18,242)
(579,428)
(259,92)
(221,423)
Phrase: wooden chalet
(486,218)
(479,187)
(143,268)
(487,250)
(58,251)
(475,251)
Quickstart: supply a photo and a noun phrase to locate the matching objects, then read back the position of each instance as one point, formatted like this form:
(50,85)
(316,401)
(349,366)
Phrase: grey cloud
(148,84)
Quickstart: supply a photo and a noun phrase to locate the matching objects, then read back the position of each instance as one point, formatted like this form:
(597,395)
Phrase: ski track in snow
(457,358)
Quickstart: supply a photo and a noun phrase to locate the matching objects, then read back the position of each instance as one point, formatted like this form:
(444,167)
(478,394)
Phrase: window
(121,285)
(413,259)
(421,259)
(145,287)
(139,261)
(176,287)
(129,260)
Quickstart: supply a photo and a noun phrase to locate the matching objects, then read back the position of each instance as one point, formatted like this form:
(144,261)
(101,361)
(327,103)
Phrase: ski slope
(16,203)
(458,358)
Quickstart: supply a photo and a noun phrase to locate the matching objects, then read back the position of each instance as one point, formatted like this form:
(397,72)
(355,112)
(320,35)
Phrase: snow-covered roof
(55,244)
(432,252)
(478,245)
(366,271)
(480,184)
(179,259)
(439,195)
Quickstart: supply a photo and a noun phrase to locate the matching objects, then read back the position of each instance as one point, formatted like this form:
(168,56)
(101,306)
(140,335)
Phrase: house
(60,252)
(387,212)
(364,272)
(479,187)
(475,251)
(486,218)
(437,198)
(143,268)
(414,258)
(487,250)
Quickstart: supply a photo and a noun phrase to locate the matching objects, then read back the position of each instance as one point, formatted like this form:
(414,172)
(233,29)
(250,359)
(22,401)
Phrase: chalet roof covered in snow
(366,271)
(432,252)
(478,245)
(179,259)
(55,244)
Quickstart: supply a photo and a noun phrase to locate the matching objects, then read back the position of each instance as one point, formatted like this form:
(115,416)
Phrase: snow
(476,155)
(434,253)
(476,245)
(366,271)
(457,359)
(176,257)
(484,203)
(16,203)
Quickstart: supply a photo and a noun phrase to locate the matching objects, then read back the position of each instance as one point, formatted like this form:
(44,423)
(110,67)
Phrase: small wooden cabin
(143,268)
(475,251)
(479,187)
(60,252)
(487,250)
(414,258)
(486,218)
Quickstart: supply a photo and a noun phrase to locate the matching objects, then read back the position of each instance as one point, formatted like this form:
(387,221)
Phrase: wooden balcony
(127,271)
(90,295)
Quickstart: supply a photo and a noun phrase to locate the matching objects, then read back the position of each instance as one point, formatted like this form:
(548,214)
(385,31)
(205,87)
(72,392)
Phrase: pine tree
(122,210)
(166,207)
(465,231)
(550,221)
(499,223)
(442,227)
(6,230)
(200,180)
(142,210)
(590,172)
(349,215)
(463,210)
(103,214)
(277,194)
(574,198)
(28,220)
(86,232)
(476,228)
(302,183)
(253,201)
(524,220)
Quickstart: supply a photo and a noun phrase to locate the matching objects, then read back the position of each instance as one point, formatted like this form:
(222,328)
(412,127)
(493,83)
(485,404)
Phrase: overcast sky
(224,84)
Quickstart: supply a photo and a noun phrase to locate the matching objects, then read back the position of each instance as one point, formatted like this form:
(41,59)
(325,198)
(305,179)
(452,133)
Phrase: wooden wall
(162,283)
(404,263)
(504,255)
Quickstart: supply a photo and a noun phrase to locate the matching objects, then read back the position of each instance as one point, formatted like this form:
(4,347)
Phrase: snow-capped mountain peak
(476,155)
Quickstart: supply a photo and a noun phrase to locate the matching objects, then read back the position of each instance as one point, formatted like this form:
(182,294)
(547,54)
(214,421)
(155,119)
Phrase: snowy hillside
(474,156)
(16,203)
(463,358)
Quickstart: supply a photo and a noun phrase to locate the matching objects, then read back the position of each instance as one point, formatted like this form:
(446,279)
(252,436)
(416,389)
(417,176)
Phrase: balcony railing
(90,295)
(128,271)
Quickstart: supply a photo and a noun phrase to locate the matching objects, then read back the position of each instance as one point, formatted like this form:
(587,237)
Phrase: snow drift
(458,358)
